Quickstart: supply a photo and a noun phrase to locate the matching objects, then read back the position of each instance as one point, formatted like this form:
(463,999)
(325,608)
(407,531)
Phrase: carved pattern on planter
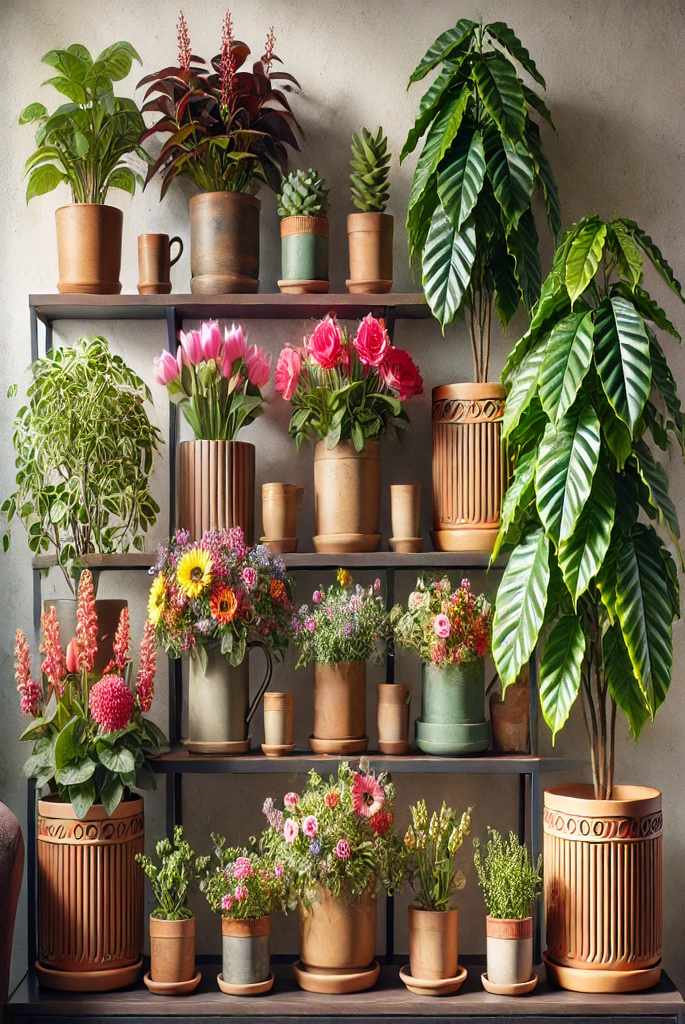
(90,832)
(579,827)
(457,410)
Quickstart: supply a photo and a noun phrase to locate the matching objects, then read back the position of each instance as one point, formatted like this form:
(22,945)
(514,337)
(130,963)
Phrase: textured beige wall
(616,88)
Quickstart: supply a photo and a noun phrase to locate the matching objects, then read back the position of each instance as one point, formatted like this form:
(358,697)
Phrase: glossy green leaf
(537,103)
(43,179)
(511,173)
(418,221)
(560,671)
(111,793)
(447,264)
(581,555)
(523,387)
(507,38)
(123,178)
(552,303)
(624,688)
(567,360)
(115,759)
(655,479)
(627,250)
(462,177)
(501,94)
(522,244)
(82,798)
(75,774)
(519,493)
(565,470)
(663,381)
(442,134)
(31,113)
(657,258)
(445,45)
(520,605)
(507,291)
(428,107)
(67,746)
(646,307)
(546,180)
(584,256)
(622,358)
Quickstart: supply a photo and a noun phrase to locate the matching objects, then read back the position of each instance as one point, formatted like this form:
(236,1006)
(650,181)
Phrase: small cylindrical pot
(304,255)
(393,718)
(224,243)
(433,943)
(509,944)
(346,498)
(510,718)
(338,934)
(369,239)
(280,505)
(108,612)
(339,703)
(219,706)
(172,950)
(278,719)
(405,511)
(245,949)
(453,709)
(468,469)
(89,248)
(155,263)
(216,486)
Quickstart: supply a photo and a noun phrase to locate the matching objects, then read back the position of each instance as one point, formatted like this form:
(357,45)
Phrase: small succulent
(303,194)
(369,171)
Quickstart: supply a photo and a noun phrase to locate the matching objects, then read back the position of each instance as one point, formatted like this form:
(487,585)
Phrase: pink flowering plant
(346,622)
(243,883)
(91,743)
(338,833)
(444,625)
(344,388)
(216,378)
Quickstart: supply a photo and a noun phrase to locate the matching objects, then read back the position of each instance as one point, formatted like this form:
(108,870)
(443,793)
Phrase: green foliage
(303,194)
(469,222)
(432,843)
(172,878)
(370,170)
(85,142)
(508,880)
(343,623)
(590,395)
(240,883)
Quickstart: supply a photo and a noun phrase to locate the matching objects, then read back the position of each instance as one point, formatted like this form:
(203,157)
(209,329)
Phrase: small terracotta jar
(405,514)
(339,708)
(433,943)
(172,957)
(393,718)
(280,505)
(155,263)
(278,723)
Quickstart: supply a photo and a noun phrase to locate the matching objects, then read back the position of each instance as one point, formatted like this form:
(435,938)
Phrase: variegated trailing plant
(590,396)
(470,222)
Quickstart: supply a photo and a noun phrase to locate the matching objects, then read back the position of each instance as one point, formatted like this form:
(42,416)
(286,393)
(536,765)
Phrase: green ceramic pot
(304,249)
(453,710)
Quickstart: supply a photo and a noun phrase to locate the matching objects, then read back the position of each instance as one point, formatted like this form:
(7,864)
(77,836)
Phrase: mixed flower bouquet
(431,845)
(444,626)
(216,378)
(343,623)
(346,389)
(90,740)
(338,833)
(242,883)
(219,591)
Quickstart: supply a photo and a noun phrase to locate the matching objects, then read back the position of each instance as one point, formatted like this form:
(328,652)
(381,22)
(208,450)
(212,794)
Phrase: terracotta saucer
(302,287)
(464,539)
(172,988)
(219,747)
(375,287)
(336,984)
(406,545)
(575,979)
(520,989)
(280,545)
(89,981)
(259,988)
(277,749)
(338,746)
(433,986)
(345,543)
(394,746)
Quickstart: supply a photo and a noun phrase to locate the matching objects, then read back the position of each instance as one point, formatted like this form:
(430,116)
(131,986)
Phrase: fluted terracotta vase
(216,486)
(346,498)
(603,881)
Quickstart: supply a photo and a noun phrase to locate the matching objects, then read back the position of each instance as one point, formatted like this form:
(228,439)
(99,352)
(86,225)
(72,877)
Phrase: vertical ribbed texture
(216,486)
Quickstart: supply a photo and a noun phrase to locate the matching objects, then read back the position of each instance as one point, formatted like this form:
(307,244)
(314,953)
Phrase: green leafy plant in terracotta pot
(471,231)
(85,143)
(591,402)
(303,207)
(370,231)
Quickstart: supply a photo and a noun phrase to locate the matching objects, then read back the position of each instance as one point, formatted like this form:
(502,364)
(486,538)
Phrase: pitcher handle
(180,250)
(264,685)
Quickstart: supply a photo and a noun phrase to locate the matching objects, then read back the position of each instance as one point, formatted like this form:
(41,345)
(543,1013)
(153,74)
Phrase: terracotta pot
(245,946)
(224,243)
(280,505)
(346,498)
(155,263)
(278,719)
(510,718)
(369,239)
(304,255)
(216,486)
(219,705)
(453,709)
(90,894)
(172,950)
(603,882)
(433,943)
(337,934)
(468,470)
(405,511)
(393,718)
(340,702)
(108,612)
(89,248)
(509,943)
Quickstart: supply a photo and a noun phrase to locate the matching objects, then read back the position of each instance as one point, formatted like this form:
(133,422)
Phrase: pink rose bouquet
(343,388)
(241,883)
(442,624)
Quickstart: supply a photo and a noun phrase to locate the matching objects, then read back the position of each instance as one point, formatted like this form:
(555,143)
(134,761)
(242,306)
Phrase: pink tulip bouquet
(216,378)
(346,389)
(90,741)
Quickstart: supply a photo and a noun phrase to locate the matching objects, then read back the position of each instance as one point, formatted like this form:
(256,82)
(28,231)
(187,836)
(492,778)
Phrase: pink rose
(226,902)
(290,830)
(258,367)
(191,347)
(317,597)
(441,626)
(166,368)
(310,826)
(240,893)
(400,373)
(342,850)
(287,374)
(210,340)
(325,343)
(291,800)
(371,341)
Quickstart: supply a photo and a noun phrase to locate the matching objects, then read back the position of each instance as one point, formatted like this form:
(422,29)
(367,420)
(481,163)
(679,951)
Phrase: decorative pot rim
(365,217)
(469,390)
(414,908)
(246,197)
(171,929)
(248,927)
(55,808)
(304,224)
(99,206)
(509,927)
(578,798)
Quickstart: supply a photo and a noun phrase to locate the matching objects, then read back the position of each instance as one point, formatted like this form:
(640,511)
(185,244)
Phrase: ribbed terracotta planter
(603,888)
(433,943)
(224,243)
(89,248)
(347,498)
(468,470)
(510,718)
(246,957)
(90,895)
(172,950)
(304,255)
(337,934)
(340,706)
(216,486)
(509,944)
(369,239)
(393,718)
(108,611)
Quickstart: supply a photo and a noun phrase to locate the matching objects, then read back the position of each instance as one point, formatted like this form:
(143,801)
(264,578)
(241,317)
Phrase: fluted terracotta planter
(346,498)
(304,255)
(216,486)
(90,896)
(89,248)
(172,957)
(339,708)
(433,943)
(337,944)
(468,470)
(108,611)
(603,888)
(369,239)
(224,243)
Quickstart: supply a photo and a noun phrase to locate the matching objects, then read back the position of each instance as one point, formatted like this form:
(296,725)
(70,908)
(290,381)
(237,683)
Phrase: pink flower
(240,892)
(291,800)
(325,343)
(249,577)
(210,339)
(111,704)
(290,830)
(310,826)
(147,666)
(86,622)
(226,902)
(53,666)
(258,367)
(400,373)
(278,871)
(72,656)
(287,374)
(441,626)
(122,639)
(30,692)
(235,348)
(332,799)
(376,586)
(166,368)
(343,850)
(242,868)
(191,347)
(368,796)
(317,597)
(371,341)
(310,624)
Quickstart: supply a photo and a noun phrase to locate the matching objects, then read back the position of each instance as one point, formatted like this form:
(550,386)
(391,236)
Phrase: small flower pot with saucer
(246,957)
(405,514)
(509,944)
(393,718)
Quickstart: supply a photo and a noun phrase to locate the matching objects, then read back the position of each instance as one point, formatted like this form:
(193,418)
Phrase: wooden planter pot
(304,255)
(369,239)
(346,498)
(468,471)
(393,718)
(89,248)
(224,243)
(108,612)
(90,896)
(246,956)
(337,944)
(509,944)
(603,881)
(219,706)
(339,708)
(453,710)
(216,487)
(172,957)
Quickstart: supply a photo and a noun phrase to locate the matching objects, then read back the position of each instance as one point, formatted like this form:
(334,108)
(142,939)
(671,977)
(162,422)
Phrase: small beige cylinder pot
(509,944)
(405,515)
(278,720)
(280,506)
(433,943)
(393,718)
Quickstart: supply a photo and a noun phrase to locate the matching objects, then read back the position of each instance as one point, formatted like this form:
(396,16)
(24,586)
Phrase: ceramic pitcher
(219,705)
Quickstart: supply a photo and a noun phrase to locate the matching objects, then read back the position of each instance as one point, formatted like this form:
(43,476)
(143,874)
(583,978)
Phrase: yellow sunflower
(194,572)
(156,602)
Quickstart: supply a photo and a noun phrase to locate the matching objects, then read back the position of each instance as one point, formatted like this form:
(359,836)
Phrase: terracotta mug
(155,263)
(405,514)
(280,505)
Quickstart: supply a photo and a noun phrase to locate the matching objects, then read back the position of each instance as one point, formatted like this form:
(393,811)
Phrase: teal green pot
(453,710)
(304,254)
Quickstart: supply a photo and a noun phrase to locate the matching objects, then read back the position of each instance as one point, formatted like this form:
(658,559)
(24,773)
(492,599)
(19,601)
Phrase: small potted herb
(172,923)
(302,206)
(510,884)
(369,232)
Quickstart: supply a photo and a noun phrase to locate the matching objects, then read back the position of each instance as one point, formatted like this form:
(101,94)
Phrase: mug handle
(264,685)
(180,250)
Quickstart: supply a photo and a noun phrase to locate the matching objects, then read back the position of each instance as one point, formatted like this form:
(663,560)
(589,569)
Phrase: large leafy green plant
(590,397)
(86,141)
(470,222)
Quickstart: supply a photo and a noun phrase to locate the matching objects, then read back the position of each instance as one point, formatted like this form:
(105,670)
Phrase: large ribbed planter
(339,708)
(108,611)
(224,243)
(603,880)
(219,706)
(304,255)
(90,896)
(347,494)
(468,470)
(216,486)
(453,709)
(337,944)
(89,248)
